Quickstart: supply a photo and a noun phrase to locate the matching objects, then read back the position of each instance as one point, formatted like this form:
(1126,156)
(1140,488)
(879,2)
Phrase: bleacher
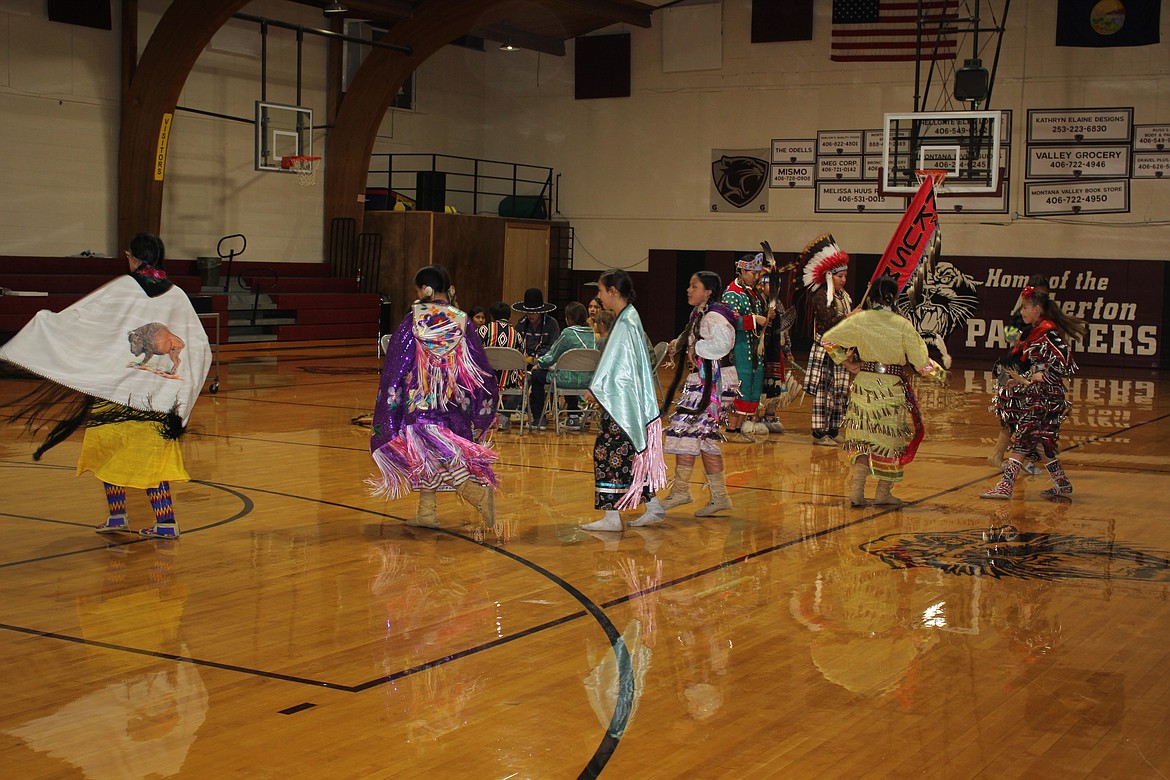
(297,302)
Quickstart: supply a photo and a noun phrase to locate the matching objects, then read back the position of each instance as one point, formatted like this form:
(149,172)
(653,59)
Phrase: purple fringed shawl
(436,402)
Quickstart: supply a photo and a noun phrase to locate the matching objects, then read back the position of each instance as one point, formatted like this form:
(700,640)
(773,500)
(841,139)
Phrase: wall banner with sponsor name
(859,197)
(794,150)
(1090,196)
(1121,300)
(792,175)
(1080,125)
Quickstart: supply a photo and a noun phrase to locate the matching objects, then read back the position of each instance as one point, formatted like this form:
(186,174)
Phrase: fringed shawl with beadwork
(436,402)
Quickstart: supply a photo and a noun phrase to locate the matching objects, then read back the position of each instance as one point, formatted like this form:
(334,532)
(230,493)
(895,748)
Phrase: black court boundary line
(832,529)
(121,540)
(623,705)
(622,708)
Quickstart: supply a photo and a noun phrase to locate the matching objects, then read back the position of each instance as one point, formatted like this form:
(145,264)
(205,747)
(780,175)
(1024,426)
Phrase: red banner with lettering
(914,236)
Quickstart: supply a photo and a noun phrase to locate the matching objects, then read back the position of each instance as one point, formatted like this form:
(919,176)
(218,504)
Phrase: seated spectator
(602,325)
(478,317)
(576,335)
(499,332)
(592,309)
(538,330)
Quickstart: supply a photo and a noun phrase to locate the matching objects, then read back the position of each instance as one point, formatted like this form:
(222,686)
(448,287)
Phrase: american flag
(884,30)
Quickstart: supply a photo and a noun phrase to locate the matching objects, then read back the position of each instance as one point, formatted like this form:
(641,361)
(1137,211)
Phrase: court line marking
(623,704)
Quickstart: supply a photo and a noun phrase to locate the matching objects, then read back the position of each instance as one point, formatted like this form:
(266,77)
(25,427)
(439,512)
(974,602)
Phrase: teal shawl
(623,383)
(624,386)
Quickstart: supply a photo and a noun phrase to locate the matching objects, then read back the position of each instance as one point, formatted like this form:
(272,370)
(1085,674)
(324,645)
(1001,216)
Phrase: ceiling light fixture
(507,47)
(336,8)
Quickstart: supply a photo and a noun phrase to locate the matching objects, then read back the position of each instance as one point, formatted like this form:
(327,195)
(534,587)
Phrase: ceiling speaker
(971,81)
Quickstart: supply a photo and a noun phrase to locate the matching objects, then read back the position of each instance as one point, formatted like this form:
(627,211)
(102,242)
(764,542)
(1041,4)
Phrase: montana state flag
(1107,22)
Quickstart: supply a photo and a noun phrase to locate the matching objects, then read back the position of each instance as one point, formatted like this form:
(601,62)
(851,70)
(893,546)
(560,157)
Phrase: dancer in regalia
(627,455)
(826,266)
(1014,329)
(776,353)
(436,403)
(878,434)
(1033,400)
(129,361)
(693,430)
(751,319)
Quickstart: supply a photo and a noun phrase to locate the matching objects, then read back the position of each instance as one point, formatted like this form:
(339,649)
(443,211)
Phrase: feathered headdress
(821,258)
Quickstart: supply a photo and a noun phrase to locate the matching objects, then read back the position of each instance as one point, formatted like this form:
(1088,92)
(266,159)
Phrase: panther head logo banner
(739,180)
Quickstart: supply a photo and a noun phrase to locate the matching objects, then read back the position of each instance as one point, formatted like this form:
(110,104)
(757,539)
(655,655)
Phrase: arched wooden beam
(351,141)
(180,37)
(638,15)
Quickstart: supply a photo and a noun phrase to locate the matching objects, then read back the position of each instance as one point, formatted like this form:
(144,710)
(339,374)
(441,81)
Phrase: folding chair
(508,359)
(659,354)
(570,360)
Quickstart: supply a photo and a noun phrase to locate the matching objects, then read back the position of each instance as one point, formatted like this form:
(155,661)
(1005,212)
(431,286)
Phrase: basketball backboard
(965,144)
(282,131)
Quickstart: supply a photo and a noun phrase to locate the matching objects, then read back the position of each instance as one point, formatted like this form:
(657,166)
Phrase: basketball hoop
(937,174)
(304,166)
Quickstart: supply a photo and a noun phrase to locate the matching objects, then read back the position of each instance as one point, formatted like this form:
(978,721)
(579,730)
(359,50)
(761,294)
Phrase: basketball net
(937,174)
(304,166)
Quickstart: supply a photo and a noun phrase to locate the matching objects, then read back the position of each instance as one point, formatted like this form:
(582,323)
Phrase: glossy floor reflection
(300,629)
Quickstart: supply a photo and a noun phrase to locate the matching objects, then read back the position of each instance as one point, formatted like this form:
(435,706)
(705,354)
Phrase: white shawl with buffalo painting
(120,345)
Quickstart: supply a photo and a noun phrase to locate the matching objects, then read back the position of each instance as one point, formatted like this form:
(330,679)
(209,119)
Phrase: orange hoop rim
(298,161)
(938,174)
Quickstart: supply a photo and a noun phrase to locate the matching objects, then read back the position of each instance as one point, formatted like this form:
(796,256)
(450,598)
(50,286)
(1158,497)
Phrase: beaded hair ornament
(751,263)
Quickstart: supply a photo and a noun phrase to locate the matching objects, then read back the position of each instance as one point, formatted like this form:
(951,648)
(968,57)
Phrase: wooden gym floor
(300,629)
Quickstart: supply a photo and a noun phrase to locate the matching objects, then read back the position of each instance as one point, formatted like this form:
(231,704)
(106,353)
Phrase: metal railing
(259,286)
(355,257)
(472,185)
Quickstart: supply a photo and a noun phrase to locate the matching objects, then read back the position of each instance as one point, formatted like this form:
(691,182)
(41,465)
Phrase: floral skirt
(613,464)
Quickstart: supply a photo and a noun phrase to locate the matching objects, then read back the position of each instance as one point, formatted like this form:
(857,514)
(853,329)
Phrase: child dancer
(1033,401)
(436,403)
(693,429)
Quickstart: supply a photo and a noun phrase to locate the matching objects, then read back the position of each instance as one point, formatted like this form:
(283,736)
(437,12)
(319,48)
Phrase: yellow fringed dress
(131,454)
(876,422)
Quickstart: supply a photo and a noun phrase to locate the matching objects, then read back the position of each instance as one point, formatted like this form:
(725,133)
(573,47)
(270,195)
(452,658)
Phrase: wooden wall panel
(471,248)
(526,247)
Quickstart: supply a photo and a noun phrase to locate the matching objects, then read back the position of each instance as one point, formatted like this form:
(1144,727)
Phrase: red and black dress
(1034,410)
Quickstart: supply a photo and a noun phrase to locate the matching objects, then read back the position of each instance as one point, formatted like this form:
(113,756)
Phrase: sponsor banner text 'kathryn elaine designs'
(1120,299)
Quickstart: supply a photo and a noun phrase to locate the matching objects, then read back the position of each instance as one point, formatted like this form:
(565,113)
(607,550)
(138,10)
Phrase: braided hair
(714,287)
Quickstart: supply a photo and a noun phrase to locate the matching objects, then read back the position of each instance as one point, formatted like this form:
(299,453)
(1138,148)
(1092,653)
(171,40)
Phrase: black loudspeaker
(386,322)
(430,191)
(601,66)
(971,81)
(86,13)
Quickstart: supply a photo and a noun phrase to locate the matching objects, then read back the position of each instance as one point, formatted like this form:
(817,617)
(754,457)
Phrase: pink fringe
(442,375)
(649,468)
(424,453)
